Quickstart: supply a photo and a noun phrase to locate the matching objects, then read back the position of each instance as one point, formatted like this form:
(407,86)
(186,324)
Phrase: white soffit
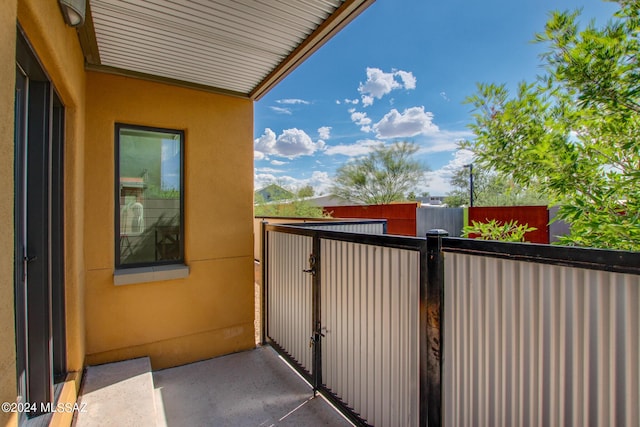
(232,45)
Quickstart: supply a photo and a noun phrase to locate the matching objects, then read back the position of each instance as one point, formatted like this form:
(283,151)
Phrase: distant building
(329,200)
(432,200)
(272,193)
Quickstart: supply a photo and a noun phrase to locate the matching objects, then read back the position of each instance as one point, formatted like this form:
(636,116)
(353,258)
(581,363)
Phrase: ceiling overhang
(240,48)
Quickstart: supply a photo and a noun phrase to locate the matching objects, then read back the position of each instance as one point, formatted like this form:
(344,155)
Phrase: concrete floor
(118,393)
(252,388)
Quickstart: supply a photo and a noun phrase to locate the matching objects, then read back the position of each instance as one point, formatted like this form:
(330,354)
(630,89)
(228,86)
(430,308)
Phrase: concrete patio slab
(252,388)
(118,393)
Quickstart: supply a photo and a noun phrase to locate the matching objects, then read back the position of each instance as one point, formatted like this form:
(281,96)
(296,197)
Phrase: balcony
(411,331)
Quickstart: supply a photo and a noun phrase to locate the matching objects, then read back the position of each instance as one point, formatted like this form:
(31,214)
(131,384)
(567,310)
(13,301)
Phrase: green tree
(492,189)
(457,198)
(383,176)
(293,207)
(575,130)
(306,191)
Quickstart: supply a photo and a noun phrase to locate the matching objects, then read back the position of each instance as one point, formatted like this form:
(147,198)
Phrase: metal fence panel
(290,295)
(532,344)
(370,309)
(429,218)
(362,227)
(558,227)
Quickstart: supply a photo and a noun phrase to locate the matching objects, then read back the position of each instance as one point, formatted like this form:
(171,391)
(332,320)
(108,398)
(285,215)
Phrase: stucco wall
(7,313)
(210,312)
(58,49)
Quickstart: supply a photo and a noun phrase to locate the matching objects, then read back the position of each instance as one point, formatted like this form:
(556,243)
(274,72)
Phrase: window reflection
(150,175)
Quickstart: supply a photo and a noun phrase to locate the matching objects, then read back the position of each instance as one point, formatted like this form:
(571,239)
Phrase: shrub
(497,230)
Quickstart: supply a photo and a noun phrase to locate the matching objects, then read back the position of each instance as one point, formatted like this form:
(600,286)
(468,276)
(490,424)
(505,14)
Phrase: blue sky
(399,72)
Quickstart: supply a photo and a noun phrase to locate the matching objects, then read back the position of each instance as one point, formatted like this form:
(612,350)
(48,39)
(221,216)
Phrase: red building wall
(534,216)
(401,217)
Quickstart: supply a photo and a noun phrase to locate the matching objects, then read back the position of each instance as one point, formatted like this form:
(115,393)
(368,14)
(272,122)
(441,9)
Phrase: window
(149,196)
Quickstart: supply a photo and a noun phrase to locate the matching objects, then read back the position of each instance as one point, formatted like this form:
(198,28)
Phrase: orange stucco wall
(58,49)
(206,314)
(210,312)
(7,313)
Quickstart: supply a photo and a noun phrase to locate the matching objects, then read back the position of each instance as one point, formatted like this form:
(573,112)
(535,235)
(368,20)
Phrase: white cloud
(354,101)
(361,120)
(258,155)
(408,79)
(320,181)
(377,85)
(261,180)
(437,183)
(278,162)
(444,96)
(445,140)
(380,83)
(266,143)
(290,143)
(360,148)
(324,132)
(413,121)
(267,170)
(295,142)
(281,110)
(337,101)
(291,101)
(438,180)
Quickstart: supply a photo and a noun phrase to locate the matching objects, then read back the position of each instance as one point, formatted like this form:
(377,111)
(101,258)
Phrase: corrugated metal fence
(457,332)
(450,219)
(363,318)
(377,226)
(289,306)
(531,342)
(369,309)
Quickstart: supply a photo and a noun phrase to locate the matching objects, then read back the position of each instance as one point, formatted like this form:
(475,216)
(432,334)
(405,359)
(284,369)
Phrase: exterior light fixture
(73,11)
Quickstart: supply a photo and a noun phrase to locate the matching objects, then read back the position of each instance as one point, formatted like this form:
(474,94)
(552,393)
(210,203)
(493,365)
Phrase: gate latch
(315,338)
(312,265)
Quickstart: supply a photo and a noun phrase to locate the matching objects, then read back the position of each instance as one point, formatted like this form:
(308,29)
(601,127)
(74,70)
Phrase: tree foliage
(294,207)
(383,176)
(306,191)
(492,189)
(575,129)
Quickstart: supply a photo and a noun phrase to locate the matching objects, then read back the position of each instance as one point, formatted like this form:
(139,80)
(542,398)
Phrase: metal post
(423,341)
(434,322)
(470,166)
(264,282)
(316,317)
(471,185)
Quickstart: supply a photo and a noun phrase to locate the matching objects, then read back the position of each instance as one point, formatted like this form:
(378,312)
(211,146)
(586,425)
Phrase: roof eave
(342,16)
(346,13)
(164,80)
